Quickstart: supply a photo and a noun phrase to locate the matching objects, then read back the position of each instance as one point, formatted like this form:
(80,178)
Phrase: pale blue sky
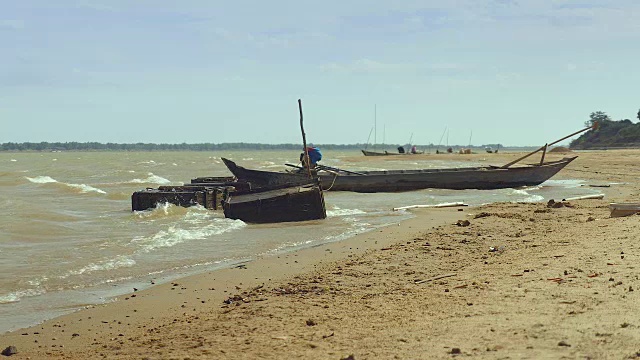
(516,72)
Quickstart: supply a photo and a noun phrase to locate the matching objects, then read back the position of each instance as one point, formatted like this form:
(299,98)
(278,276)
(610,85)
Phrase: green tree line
(609,133)
(96,146)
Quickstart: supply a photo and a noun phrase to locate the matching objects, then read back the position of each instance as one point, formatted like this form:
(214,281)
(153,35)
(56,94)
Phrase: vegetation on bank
(95,146)
(609,134)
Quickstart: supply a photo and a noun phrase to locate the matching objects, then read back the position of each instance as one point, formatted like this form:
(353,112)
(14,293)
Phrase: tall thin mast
(375,124)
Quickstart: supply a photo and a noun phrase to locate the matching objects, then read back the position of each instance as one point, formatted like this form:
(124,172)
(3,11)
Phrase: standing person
(414,150)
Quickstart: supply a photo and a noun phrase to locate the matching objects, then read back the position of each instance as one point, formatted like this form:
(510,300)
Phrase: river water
(68,237)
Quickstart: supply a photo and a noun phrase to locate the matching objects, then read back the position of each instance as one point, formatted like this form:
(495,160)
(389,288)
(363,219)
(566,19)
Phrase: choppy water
(68,236)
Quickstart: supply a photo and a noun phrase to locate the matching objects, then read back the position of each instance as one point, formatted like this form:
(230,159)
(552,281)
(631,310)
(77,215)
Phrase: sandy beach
(520,281)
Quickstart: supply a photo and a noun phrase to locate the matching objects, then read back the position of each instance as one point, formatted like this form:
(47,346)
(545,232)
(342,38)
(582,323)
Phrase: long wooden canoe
(387,153)
(484,177)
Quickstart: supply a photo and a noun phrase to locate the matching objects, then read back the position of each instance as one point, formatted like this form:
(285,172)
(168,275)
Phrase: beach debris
(564,343)
(235,299)
(463,223)
(553,204)
(435,278)
(10,350)
(624,209)
(350,357)
(590,218)
(585,197)
(496,248)
(455,351)
(443,205)
(481,215)
(328,336)
(310,322)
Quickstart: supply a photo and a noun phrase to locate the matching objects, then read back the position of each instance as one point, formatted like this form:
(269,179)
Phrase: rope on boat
(335,176)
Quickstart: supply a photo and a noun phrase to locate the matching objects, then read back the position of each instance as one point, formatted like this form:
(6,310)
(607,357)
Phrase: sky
(514,72)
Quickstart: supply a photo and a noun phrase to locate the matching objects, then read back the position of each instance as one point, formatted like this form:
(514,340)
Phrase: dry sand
(521,281)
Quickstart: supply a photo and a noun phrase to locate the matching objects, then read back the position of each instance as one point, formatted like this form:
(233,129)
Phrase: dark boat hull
(488,177)
(386,153)
(297,203)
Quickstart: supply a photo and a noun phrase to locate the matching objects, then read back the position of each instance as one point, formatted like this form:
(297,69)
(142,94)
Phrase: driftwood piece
(436,278)
(585,197)
(452,204)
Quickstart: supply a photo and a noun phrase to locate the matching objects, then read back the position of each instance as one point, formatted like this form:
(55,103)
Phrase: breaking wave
(110,264)
(523,196)
(17,295)
(151,179)
(175,235)
(344,212)
(81,188)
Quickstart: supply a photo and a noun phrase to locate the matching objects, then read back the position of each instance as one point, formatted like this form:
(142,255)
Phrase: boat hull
(386,153)
(407,180)
(298,203)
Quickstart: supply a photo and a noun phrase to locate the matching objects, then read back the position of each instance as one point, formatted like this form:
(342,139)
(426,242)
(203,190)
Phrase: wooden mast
(544,147)
(307,164)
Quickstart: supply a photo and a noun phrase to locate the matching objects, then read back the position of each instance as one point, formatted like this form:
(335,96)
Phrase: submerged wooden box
(210,198)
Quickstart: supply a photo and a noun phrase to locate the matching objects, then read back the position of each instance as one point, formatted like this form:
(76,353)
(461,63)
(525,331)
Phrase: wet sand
(520,281)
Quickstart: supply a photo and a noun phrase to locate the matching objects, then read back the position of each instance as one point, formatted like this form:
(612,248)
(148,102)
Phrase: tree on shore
(610,134)
(597,116)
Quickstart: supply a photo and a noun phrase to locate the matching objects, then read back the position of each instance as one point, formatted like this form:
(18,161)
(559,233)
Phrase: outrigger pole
(304,142)
(544,147)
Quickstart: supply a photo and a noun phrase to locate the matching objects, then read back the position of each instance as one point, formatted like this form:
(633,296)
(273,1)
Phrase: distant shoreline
(94,146)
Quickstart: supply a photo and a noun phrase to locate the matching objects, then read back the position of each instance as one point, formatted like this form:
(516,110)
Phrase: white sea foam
(41,180)
(86,188)
(109,264)
(161,210)
(564,183)
(17,295)
(13,160)
(151,179)
(198,214)
(48,180)
(175,235)
(524,196)
(344,212)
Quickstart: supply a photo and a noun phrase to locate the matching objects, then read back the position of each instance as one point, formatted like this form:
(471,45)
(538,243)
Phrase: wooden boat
(378,153)
(386,153)
(282,204)
(484,177)
(624,209)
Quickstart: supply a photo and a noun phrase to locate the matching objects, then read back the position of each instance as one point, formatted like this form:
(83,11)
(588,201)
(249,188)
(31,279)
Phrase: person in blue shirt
(314,155)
